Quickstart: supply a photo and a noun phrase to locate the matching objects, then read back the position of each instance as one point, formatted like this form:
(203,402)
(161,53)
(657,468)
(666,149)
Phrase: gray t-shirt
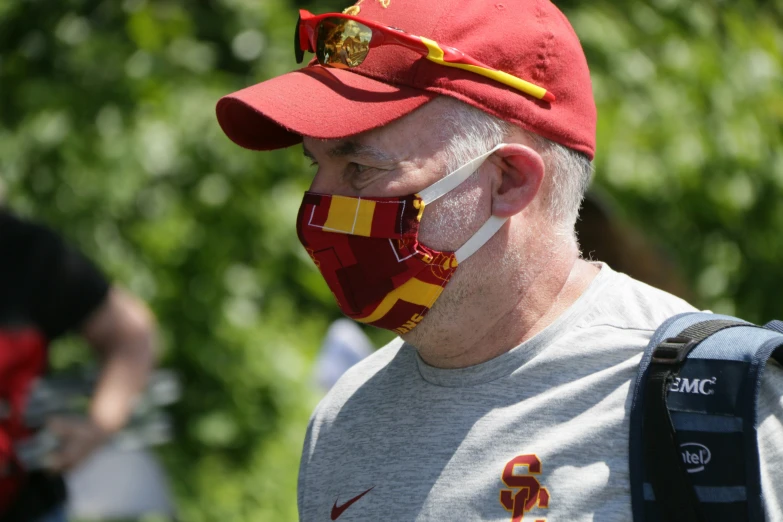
(540,431)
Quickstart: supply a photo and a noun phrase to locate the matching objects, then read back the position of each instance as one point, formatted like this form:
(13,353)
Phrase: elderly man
(452,154)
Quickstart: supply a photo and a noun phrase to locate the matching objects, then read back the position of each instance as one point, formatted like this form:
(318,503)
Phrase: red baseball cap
(530,39)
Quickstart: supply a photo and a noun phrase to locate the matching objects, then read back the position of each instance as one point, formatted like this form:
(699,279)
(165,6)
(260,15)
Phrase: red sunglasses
(344,41)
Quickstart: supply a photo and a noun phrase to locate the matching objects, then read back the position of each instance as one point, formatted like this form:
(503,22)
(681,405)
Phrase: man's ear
(517,180)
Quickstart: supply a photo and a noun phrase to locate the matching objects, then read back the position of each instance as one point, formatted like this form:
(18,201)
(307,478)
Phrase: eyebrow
(357,150)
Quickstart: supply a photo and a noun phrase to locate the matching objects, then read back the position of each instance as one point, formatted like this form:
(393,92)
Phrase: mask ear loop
(454,180)
(477,240)
(451,181)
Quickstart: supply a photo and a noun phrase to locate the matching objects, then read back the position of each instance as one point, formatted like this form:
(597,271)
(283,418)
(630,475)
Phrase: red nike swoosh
(338,510)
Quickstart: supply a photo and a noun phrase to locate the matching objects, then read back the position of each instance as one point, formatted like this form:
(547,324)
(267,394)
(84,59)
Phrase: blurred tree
(690,137)
(107,131)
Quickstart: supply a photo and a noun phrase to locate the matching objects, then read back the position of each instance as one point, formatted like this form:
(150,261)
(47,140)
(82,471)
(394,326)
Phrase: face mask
(369,253)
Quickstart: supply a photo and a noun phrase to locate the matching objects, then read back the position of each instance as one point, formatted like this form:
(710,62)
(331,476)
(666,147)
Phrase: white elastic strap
(453,180)
(478,239)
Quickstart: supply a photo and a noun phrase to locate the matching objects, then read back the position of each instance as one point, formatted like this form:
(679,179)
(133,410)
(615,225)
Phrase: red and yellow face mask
(369,253)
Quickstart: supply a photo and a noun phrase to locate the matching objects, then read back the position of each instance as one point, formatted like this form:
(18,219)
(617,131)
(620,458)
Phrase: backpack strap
(772,348)
(776,326)
(665,467)
(693,443)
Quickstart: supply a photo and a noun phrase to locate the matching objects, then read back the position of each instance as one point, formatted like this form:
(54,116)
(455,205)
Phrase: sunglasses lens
(342,43)
(298,51)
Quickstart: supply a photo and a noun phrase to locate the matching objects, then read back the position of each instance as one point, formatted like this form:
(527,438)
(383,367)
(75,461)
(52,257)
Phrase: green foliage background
(107,132)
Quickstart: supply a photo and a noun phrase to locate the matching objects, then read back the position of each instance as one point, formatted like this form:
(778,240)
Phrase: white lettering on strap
(698,386)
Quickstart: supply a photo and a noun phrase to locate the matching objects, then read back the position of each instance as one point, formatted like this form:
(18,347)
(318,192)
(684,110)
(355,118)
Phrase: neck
(475,326)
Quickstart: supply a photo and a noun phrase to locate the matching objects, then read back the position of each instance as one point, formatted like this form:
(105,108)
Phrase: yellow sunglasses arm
(436,55)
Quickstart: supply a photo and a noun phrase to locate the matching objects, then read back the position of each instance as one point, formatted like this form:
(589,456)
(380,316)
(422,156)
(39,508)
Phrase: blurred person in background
(48,289)
(450,170)
(344,345)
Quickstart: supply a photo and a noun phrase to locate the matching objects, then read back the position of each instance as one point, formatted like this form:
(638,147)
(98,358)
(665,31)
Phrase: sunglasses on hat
(344,41)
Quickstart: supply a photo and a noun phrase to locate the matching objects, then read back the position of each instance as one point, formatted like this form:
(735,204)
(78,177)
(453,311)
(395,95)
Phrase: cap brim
(316,102)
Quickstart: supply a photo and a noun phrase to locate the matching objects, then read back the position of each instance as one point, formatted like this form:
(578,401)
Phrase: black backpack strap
(672,487)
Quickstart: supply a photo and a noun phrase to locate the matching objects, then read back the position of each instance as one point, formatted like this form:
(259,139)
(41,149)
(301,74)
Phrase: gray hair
(473,132)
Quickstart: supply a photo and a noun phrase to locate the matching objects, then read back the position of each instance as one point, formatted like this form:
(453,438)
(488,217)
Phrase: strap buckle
(673,351)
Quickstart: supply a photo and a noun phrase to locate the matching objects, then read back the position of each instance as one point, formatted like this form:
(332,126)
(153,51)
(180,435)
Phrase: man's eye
(357,168)
(360,176)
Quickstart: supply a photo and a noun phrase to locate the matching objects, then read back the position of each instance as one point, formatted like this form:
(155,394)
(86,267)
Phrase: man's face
(399,159)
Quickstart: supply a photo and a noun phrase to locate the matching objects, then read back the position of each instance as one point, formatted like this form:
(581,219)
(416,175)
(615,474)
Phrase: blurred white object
(115,483)
(345,345)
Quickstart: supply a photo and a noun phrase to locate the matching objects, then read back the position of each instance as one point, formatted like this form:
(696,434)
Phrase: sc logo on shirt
(525,491)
